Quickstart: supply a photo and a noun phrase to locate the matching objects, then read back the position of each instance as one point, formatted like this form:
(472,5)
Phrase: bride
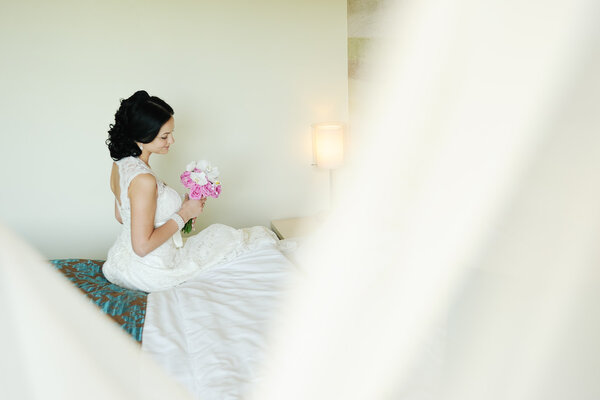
(145,256)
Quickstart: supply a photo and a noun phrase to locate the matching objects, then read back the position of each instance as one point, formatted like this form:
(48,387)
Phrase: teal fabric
(126,307)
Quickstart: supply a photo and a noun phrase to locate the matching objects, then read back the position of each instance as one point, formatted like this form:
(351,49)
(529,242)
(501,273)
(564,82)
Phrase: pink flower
(186,180)
(196,192)
(207,190)
(210,191)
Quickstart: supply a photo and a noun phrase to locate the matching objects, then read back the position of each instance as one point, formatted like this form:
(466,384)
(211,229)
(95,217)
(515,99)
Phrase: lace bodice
(169,265)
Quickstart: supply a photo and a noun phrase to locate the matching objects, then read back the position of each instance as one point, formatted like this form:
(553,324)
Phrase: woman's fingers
(197,203)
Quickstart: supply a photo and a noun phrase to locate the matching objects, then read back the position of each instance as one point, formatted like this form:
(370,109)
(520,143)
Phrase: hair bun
(130,105)
(139,97)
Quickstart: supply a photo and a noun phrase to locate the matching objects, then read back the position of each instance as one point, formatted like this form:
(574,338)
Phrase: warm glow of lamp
(328,144)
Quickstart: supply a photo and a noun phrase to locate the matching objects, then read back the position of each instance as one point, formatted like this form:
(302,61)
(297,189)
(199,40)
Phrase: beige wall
(246,80)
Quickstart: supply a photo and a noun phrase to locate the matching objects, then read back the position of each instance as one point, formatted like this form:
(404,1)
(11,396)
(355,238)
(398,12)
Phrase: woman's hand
(191,208)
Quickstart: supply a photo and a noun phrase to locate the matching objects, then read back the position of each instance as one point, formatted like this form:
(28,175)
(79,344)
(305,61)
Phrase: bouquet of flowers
(202,180)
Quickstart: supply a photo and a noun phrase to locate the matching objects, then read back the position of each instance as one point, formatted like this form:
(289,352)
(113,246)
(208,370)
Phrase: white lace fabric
(168,265)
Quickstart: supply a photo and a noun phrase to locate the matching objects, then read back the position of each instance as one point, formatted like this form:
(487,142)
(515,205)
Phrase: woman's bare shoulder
(145,182)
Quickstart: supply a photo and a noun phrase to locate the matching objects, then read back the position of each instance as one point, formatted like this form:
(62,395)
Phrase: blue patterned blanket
(126,307)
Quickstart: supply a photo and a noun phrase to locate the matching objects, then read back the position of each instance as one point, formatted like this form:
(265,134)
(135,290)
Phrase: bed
(208,333)
(124,306)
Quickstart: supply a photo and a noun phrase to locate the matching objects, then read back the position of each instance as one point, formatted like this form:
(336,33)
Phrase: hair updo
(138,119)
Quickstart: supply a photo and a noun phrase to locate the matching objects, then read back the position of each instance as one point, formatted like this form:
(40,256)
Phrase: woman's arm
(142,196)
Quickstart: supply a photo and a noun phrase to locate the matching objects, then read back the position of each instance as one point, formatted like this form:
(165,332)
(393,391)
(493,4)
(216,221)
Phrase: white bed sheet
(210,333)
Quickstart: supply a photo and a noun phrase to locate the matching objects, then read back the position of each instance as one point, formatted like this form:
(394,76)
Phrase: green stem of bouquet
(187,228)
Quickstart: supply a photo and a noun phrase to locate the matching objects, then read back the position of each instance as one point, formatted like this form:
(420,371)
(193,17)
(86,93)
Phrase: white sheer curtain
(56,345)
(462,261)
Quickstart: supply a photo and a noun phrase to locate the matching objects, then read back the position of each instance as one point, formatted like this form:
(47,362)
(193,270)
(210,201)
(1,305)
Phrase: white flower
(211,172)
(203,165)
(190,167)
(199,178)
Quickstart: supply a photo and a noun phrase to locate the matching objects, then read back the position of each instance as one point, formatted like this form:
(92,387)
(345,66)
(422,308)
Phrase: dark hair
(138,119)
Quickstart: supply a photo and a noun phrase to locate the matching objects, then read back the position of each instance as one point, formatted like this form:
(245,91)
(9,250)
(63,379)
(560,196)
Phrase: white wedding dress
(169,265)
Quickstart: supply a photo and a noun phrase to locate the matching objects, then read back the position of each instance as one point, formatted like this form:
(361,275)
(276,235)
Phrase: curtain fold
(461,261)
(57,345)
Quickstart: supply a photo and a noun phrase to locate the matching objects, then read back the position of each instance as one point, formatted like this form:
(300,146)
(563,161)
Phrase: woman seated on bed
(145,256)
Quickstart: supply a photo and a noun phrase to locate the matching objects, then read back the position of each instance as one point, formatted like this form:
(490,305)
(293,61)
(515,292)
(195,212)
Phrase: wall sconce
(328,144)
(328,149)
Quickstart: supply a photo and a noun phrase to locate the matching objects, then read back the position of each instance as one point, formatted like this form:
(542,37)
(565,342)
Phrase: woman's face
(163,140)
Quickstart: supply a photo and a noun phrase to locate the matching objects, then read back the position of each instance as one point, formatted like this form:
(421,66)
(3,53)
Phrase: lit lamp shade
(328,144)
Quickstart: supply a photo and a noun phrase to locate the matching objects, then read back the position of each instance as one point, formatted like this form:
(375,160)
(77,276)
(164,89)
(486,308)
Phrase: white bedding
(209,333)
